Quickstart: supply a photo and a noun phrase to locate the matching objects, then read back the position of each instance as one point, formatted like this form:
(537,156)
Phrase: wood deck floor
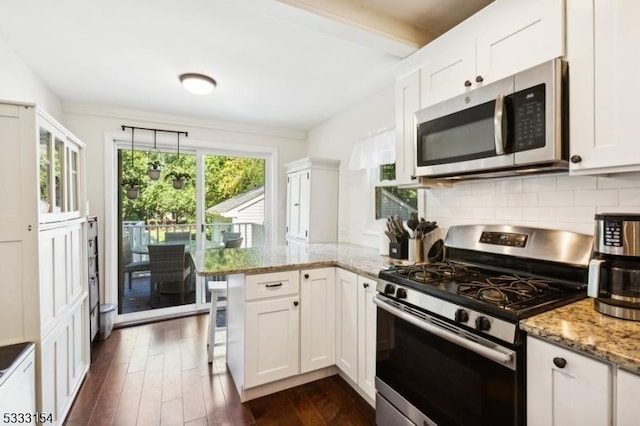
(157,374)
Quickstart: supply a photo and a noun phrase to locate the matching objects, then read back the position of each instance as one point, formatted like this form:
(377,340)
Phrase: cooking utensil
(413,223)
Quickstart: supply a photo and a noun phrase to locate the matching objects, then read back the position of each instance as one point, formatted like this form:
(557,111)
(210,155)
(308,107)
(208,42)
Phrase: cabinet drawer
(272,285)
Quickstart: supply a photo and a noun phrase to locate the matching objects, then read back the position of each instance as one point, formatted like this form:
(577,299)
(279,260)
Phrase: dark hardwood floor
(157,374)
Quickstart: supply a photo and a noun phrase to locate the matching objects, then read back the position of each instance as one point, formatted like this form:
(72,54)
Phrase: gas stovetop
(493,276)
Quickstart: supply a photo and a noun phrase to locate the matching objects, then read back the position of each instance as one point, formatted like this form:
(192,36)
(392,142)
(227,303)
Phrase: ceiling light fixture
(198,84)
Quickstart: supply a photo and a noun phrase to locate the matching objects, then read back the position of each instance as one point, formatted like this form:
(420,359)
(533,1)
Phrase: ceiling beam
(349,19)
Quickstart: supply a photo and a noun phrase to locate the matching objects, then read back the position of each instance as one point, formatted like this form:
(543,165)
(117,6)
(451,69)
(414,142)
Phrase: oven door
(467,133)
(429,372)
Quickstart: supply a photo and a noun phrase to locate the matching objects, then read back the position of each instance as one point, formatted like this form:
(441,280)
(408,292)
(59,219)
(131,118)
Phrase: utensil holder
(415,251)
(398,250)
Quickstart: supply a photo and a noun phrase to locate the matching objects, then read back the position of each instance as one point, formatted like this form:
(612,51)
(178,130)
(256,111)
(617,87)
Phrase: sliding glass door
(172,204)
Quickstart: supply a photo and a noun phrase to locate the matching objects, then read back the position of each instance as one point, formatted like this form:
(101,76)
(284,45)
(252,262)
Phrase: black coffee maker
(614,272)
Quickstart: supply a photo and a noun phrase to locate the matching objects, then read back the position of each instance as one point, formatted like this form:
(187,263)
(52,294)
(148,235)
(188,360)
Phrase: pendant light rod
(156,130)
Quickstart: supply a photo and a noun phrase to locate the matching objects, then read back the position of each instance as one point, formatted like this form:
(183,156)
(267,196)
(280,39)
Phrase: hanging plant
(178,179)
(154,170)
(132,186)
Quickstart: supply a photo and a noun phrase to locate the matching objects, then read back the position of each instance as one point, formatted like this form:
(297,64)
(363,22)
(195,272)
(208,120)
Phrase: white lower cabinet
(271,340)
(272,322)
(627,391)
(565,387)
(347,323)
(367,314)
(317,319)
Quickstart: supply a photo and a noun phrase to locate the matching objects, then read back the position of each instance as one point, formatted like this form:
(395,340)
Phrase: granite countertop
(361,260)
(581,327)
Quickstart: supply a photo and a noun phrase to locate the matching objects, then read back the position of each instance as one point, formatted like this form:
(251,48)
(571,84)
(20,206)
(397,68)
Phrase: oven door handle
(497,125)
(505,358)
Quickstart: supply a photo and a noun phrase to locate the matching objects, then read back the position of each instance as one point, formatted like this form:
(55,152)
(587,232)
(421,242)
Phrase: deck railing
(139,233)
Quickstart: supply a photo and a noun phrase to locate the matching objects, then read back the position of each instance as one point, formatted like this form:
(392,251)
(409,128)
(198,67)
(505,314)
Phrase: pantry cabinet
(500,40)
(603,60)
(565,387)
(312,200)
(43,251)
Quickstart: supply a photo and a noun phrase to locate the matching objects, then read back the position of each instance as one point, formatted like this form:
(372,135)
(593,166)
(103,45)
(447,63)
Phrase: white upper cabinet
(312,200)
(505,37)
(604,65)
(407,103)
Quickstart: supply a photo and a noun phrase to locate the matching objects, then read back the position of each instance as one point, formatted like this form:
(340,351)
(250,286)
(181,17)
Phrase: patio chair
(170,270)
(233,243)
(228,235)
(178,236)
(129,266)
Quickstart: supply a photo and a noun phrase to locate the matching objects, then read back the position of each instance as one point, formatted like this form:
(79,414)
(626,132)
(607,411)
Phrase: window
(392,200)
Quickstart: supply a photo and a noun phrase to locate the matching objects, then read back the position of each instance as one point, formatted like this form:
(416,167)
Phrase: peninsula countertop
(359,259)
(581,327)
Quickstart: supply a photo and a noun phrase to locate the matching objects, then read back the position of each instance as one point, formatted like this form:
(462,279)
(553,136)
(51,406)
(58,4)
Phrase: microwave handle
(497,125)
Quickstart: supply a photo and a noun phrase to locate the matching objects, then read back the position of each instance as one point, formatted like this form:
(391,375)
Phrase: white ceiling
(289,63)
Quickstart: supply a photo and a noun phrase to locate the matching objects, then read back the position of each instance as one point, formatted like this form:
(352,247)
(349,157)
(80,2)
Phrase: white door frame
(116,140)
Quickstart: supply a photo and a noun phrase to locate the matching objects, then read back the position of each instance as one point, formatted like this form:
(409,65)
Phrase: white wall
(334,139)
(19,83)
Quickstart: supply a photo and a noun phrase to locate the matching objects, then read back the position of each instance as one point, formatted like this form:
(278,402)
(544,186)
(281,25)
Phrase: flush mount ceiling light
(199,84)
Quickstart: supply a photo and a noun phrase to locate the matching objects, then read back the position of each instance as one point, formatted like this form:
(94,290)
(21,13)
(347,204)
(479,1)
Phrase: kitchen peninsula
(298,313)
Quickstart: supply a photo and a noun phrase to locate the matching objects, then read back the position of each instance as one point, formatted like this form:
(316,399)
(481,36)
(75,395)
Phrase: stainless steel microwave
(516,125)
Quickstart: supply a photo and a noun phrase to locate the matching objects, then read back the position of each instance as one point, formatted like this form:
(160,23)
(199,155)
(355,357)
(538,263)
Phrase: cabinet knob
(559,362)
(467,83)
(365,285)
(479,79)
(295,303)
(575,159)
(306,276)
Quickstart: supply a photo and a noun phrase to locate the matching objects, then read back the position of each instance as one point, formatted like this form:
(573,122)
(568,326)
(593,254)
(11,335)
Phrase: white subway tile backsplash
(568,183)
(557,198)
(524,199)
(539,184)
(630,197)
(556,202)
(622,180)
(599,197)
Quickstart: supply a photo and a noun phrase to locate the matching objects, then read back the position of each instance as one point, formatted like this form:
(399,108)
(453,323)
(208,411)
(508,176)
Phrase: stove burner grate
(507,290)
(435,272)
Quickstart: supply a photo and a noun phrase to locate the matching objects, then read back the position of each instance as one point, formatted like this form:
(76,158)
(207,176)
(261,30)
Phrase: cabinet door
(450,72)
(272,342)
(317,319)
(627,391)
(528,33)
(293,203)
(577,394)
(407,103)
(305,204)
(604,63)
(54,372)
(367,314)
(347,323)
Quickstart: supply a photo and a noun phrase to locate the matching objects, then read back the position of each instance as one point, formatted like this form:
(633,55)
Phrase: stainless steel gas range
(449,350)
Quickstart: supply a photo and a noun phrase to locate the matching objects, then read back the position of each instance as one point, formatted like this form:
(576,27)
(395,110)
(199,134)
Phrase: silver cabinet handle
(497,125)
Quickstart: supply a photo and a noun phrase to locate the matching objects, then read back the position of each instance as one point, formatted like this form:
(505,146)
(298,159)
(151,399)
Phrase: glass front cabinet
(59,165)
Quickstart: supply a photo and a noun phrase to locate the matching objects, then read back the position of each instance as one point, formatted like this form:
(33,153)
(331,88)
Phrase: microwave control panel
(529,118)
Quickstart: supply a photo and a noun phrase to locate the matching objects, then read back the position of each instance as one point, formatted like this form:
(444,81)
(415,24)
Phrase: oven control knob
(389,289)
(483,324)
(401,293)
(461,315)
